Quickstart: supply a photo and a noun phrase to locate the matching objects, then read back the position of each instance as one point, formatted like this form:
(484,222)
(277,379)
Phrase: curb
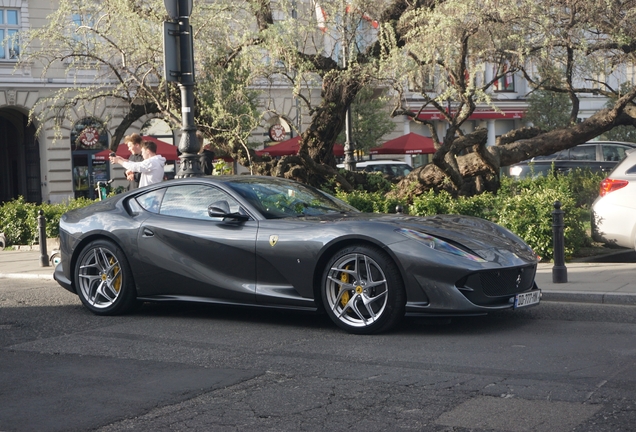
(25,276)
(589,297)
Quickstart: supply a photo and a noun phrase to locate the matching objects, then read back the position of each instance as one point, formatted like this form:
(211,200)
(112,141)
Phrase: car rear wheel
(103,279)
(362,290)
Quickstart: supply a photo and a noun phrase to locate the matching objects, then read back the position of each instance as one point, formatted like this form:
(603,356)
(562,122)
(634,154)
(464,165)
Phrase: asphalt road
(555,367)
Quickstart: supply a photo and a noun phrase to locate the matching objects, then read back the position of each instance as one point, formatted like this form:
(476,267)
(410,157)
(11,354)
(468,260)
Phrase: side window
(192,201)
(402,170)
(389,170)
(613,153)
(151,201)
(583,153)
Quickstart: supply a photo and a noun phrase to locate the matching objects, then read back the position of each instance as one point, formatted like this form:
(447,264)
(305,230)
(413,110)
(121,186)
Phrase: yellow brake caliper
(117,281)
(344,277)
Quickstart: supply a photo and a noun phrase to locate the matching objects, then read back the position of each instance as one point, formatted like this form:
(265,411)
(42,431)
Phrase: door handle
(148,233)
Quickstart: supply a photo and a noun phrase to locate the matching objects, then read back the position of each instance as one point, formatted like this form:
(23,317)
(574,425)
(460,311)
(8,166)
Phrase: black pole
(189,145)
(349,145)
(559,271)
(44,256)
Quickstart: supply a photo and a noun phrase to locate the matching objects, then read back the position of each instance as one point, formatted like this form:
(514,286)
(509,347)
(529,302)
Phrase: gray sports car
(271,242)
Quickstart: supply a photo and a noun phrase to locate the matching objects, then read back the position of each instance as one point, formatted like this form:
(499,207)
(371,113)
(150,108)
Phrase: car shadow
(492,323)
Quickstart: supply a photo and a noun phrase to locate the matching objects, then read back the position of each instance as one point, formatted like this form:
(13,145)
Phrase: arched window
(89,134)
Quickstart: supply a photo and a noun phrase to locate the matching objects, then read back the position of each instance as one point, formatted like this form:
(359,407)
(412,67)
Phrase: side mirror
(222,209)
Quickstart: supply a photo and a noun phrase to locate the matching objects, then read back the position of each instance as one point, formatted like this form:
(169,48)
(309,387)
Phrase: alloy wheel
(356,290)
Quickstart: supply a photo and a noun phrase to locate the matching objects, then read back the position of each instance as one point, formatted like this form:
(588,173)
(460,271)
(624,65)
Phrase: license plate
(527,299)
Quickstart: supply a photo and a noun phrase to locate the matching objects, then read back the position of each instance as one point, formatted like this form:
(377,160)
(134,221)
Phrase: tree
(114,53)
(450,44)
(548,110)
(620,133)
(453,42)
(370,120)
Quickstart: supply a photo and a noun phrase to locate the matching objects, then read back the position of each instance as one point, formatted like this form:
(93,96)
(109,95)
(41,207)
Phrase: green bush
(370,202)
(523,206)
(529,215)
(19,219)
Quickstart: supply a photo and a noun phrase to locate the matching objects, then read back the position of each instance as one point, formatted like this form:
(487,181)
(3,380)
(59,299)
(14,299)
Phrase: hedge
(18,219)
(523,206)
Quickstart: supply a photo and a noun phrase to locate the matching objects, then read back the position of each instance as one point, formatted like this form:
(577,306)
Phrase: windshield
(278,198)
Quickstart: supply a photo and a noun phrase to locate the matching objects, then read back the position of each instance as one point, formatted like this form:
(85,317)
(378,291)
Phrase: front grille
(496,283)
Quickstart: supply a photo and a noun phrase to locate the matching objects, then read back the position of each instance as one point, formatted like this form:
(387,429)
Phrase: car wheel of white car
(103,279)
(362,290)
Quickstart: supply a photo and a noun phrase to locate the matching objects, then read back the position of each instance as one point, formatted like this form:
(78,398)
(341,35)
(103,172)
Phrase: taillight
(610,185)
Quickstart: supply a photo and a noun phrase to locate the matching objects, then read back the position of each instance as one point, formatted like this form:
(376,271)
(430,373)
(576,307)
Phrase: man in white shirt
(151,168)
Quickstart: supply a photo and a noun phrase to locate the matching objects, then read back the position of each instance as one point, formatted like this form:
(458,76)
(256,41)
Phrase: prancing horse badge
(273,239)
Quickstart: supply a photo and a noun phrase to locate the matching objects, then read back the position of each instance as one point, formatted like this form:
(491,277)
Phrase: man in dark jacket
(134,146)
(206,156)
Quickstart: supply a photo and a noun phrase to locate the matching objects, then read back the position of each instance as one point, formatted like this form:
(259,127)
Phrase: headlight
(438,244)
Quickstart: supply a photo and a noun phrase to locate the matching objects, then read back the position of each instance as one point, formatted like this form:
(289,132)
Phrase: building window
(506,82)
(9,35)
(422,82)
(83,37)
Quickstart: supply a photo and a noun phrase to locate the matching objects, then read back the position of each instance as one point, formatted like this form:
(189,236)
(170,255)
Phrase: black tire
(103,279)
(362,290)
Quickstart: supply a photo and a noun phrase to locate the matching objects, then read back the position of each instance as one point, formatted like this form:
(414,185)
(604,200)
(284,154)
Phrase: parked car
(391,168)
(614,211)
(271,242)
(597,156)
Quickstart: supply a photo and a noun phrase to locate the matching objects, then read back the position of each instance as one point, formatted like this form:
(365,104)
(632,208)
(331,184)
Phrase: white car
(389,167)
(614,211)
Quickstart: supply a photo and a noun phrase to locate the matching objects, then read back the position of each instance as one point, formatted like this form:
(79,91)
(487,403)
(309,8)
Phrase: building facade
(44,163)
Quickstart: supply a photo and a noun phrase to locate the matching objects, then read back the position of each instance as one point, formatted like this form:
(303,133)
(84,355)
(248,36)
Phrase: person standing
(206,156)
(134,147)
(151,168)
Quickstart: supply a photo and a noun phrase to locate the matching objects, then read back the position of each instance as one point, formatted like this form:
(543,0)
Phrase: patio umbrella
(411,143)
(291,146)
(164,149)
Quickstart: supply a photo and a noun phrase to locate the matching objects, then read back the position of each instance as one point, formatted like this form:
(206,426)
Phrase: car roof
(378,162)
(381,162)
(553,156)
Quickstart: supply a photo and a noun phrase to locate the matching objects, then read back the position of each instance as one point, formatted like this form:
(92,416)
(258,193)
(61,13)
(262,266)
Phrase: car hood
(476,234)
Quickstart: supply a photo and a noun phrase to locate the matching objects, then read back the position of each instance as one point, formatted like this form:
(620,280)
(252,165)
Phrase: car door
(183,252)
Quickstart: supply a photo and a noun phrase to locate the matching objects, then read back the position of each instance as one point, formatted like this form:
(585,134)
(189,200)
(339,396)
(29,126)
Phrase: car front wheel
(103,279)
(362,290)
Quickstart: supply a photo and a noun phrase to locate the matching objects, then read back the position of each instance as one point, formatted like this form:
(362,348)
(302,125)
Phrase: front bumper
(58,275)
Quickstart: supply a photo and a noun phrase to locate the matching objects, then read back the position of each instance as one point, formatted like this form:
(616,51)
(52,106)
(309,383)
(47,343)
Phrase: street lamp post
(349,146)
(189,146)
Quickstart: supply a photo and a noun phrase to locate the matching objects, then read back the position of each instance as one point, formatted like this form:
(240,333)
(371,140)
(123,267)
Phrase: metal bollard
(44,256)
(559,271)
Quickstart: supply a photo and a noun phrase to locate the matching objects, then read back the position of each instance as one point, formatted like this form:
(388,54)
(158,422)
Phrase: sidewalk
(23,265)
(612,283)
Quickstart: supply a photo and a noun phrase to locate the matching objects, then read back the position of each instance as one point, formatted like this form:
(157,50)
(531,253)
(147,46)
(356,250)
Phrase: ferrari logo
(273,239)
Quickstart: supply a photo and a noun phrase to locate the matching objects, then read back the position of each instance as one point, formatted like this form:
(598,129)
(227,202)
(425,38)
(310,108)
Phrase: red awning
(477,115)
(164,149)
(291,146)
(410,143)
